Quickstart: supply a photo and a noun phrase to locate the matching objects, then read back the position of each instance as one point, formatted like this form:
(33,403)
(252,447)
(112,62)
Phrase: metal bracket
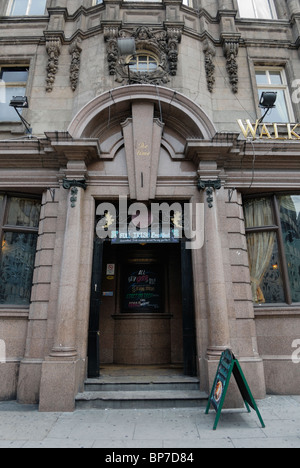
(209,186)
(74,185)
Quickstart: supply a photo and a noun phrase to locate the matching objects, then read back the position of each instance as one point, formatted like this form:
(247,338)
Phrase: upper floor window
(274,79)
(19,222)
(260,9)
(97,2)
(143,63)
(26,7)
(13,80)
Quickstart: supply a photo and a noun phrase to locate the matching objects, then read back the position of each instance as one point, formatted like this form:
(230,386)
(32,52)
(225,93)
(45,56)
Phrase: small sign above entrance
(145,237)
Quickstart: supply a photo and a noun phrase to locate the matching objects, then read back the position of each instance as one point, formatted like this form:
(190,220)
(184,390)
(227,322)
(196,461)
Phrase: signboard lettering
(270,131)
(143,289)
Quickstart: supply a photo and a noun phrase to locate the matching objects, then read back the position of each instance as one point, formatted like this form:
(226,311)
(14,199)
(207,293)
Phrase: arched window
(143,62)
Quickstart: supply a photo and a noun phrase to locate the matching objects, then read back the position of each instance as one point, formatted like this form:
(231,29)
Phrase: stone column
(218,322)
(216,290)
(58,383)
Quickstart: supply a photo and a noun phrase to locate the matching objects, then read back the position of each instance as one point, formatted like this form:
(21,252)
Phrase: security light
(126,46)
(21,102)
(267,102)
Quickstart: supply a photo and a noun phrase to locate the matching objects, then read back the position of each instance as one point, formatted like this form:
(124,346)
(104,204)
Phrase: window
(97,2)
(26,7)
(259,9)
(274,79)
(13,82)
(19,221)
(273,239)
(143,63)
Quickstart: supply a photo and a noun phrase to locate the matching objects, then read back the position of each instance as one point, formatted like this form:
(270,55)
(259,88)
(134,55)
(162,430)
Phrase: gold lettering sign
(143,149)
(270,131)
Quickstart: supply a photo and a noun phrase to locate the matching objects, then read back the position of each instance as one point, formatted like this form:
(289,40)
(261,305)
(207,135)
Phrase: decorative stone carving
(111,34)
(75,52)
(74,185)
(209,186)
(162,43)
(53,47)
(209,52)
(231,50)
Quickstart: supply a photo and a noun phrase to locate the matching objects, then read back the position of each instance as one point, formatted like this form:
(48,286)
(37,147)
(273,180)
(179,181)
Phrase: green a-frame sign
(229,365)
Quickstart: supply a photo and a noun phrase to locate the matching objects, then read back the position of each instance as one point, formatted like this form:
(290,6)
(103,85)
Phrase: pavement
(24,427)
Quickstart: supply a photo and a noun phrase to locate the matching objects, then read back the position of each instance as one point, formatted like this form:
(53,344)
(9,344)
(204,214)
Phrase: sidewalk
(24,427)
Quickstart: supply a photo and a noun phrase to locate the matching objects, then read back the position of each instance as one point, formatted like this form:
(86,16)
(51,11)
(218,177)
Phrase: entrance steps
(142,389)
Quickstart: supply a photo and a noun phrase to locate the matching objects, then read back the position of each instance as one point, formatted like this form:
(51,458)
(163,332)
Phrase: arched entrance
(143,132)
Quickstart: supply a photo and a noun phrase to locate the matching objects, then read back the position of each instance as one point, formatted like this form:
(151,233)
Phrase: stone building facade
(156,126)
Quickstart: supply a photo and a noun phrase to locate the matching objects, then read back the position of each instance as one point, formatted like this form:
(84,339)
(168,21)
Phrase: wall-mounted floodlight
(126,46)
(21,102)
(267,102)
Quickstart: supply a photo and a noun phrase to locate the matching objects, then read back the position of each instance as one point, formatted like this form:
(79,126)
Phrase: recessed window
(274,79)
(143,63)
(13,81)
(19,221)
(259,9)
(27,7)
(273,238)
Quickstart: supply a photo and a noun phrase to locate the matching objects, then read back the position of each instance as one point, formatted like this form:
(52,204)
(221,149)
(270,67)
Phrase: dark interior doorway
(142,307)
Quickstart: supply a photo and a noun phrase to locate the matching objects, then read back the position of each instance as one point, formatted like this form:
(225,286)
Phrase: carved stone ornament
(231,50)
(209,186)
(75,52)
(209,52)
(53,47)
(74,185)
(162,43)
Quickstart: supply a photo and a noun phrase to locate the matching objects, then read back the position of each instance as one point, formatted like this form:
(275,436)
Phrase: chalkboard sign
(221,379)
(229,365)
(143,289)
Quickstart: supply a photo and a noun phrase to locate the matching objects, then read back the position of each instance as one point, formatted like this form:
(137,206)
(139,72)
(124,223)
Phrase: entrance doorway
(142,307)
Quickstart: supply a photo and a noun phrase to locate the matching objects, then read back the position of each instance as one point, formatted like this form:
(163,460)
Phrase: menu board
(229,365)
(143,289)
(224,371)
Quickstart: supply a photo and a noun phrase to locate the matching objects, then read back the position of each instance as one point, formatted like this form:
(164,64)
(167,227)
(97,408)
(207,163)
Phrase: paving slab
(170,428)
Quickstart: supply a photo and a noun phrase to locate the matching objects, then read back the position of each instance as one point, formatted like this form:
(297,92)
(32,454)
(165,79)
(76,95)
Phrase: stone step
(141,399)
(139,384)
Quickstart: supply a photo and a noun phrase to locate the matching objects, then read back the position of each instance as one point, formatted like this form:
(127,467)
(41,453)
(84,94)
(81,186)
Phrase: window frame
(6,228)
(256,17)
(275,87)
(27,14)
(280,242)
(14,84)
(142,53)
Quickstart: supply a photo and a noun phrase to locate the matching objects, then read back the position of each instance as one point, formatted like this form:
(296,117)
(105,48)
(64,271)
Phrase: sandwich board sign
(229,365)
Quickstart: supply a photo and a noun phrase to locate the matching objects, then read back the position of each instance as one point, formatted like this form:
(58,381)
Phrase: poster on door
(143,289)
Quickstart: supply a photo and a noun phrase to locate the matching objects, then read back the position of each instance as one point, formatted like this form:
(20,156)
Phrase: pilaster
(60,369)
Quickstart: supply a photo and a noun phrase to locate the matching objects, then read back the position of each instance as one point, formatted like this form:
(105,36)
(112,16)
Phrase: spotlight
(267,102)
(21,102)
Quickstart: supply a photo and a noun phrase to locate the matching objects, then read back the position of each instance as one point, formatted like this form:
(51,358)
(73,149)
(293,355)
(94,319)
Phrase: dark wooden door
(94,333)
(188,313)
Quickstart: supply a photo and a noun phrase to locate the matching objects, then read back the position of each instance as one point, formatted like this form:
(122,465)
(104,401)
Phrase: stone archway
(172,106)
